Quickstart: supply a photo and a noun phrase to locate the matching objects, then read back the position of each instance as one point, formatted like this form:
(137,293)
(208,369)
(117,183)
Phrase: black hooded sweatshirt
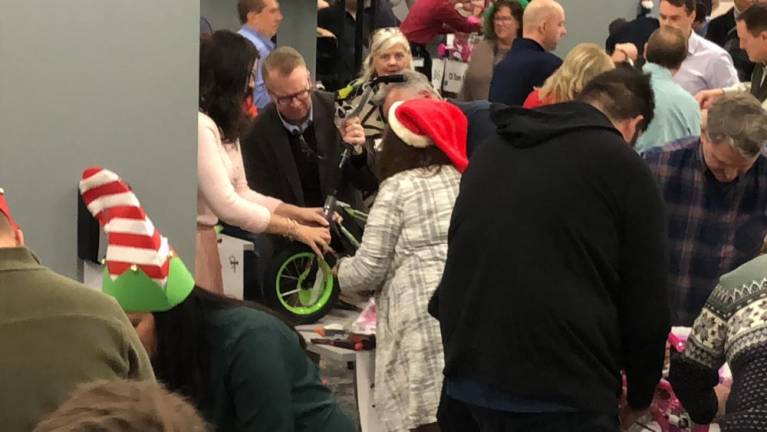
(555,278)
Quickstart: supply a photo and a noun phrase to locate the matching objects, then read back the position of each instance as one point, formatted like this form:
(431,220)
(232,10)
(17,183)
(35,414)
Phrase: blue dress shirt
(264,46)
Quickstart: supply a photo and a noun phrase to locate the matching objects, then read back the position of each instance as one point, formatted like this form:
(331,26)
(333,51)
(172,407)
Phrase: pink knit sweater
(222,189)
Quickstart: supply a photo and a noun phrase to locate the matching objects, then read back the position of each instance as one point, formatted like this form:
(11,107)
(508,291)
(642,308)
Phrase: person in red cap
(56,334)
(403,254)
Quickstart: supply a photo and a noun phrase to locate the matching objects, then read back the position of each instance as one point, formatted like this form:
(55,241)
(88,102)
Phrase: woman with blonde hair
(581,65)
(389,55)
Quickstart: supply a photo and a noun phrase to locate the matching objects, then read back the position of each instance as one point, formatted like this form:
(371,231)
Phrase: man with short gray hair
(715,188)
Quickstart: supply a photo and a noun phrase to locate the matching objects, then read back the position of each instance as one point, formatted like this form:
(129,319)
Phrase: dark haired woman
(227,65)
(403,254)
(243,368)
(503,24)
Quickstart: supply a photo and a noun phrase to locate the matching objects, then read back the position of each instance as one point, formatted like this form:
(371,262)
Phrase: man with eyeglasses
(715,188)
(294,147)
(260,21)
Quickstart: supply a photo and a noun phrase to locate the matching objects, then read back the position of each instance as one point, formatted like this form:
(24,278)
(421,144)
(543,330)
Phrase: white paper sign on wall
(453,77)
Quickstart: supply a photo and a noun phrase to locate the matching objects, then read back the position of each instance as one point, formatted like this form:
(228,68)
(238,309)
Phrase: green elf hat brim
(137,292)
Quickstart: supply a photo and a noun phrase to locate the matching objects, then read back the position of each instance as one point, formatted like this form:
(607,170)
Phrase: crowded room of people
(400,216)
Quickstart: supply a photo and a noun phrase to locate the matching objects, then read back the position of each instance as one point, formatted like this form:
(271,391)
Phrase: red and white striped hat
(134,247)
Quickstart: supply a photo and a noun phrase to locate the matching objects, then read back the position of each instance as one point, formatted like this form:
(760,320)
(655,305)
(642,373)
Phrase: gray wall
(222,14)
(85,82)
(587,20)
(298,29)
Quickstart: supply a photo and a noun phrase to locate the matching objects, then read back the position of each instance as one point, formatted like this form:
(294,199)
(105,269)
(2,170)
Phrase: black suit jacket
(720,26)
(271,168)
(759,88)
(721,31)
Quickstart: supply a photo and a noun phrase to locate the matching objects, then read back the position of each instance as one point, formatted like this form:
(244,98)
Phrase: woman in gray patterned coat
(403,254)
(732,327)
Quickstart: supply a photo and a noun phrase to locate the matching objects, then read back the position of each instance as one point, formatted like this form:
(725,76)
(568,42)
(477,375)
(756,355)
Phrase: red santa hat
(6,210)
(423,122)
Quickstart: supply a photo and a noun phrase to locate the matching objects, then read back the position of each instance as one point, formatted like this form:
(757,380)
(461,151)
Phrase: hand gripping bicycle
(299,283)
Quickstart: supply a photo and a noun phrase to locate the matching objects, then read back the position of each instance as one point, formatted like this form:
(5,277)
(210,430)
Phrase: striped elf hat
(142,271)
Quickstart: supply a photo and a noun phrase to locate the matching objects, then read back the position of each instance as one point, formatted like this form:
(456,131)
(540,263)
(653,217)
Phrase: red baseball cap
(4,209)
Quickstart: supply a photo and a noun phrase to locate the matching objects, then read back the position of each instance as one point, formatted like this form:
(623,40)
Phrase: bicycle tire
(300,285)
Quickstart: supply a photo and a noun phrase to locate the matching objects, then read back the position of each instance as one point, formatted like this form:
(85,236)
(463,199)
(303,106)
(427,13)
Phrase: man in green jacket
(55,333)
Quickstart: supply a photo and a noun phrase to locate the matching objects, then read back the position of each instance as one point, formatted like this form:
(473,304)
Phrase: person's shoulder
(324,108)
(204,121)
(551,60)
(742,285)
(709,48)
(325,97)
(65,296)
(245,322)
(673,152)
(485,45)
(723,21)
(265,118)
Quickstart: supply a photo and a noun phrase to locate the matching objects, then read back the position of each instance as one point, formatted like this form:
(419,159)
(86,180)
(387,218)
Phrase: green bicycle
(297,282)
(301,284)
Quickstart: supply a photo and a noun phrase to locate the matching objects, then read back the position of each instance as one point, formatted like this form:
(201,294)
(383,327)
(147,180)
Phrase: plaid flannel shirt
(713,227)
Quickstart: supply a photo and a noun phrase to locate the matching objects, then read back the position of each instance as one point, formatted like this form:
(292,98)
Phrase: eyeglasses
(288,99)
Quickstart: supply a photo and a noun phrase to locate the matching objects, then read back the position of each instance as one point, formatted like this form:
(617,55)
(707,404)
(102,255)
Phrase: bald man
(529,62)
(55,334)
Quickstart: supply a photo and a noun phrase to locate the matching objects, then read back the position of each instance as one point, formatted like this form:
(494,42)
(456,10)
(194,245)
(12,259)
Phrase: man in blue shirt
(529,62)
(260,21)
(676,111)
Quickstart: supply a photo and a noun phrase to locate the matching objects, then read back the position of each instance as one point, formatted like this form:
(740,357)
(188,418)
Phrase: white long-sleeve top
(222,188)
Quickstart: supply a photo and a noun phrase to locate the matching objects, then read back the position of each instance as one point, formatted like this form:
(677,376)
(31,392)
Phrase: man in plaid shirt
(715,187)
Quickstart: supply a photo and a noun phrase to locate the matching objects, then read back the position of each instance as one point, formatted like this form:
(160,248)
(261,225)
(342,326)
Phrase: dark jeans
(457,416)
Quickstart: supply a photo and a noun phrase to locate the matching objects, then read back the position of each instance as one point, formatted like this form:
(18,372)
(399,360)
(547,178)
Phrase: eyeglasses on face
(288,99)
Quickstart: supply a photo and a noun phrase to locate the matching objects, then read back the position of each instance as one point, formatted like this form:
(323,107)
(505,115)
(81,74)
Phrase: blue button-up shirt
(713,227)
(264,46)
(297,129)
(707,66)
(676,113)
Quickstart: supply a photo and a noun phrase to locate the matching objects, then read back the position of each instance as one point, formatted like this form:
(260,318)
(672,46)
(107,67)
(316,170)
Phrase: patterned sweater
(732,327)
(402,257)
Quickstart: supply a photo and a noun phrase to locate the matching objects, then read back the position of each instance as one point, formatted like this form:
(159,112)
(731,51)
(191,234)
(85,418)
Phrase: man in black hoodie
(555,279)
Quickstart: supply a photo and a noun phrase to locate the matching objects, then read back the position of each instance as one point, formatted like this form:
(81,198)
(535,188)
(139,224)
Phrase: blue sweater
(527,65)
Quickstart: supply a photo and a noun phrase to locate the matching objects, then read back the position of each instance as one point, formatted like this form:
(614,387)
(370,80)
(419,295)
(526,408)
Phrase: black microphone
(304,146)
(388,79)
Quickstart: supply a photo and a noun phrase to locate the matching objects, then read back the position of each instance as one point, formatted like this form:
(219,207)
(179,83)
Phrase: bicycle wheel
(301,285)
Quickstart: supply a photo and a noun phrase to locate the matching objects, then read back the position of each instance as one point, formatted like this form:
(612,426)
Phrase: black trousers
(420,51)
(457,416)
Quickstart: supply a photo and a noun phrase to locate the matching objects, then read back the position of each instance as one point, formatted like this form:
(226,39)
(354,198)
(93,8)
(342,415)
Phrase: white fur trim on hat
(406,135)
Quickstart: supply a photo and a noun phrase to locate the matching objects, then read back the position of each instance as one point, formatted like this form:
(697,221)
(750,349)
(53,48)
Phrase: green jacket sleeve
(260,381)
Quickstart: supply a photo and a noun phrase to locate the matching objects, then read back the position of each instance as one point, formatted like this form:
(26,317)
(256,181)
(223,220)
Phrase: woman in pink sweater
(227,65)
